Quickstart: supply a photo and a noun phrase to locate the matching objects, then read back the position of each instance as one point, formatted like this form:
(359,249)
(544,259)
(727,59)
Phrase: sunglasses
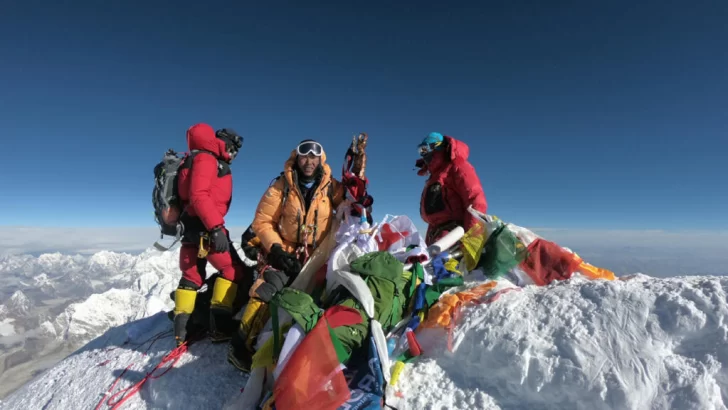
(310,147)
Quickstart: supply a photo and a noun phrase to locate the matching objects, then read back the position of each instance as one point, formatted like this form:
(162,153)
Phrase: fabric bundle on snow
(441,313)
(313,376)
(503,251)
(547,261)
(593,272)
(498,248)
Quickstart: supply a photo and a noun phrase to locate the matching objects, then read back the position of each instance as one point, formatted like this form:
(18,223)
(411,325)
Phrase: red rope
(498,294)
(173,356)
(153,339)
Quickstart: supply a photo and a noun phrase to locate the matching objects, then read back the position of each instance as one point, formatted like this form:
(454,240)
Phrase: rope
(173,356)
(153,339)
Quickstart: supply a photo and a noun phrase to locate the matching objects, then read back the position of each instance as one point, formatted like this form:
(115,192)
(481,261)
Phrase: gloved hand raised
(275,281)
(283,261)
(219,239)
(363,204)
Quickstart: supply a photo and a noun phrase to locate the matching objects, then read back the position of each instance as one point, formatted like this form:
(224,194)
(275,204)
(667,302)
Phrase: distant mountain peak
(19,303)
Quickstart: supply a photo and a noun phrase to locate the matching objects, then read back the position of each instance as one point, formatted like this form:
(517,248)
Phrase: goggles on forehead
(309,147)
(233,141)
(424,149)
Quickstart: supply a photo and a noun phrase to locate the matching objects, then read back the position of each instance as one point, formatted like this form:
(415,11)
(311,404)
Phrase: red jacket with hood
(453,185)
(206,187)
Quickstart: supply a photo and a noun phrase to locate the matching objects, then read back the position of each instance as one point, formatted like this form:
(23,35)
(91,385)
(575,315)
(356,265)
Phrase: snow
(7,328)
(109,309)
(19,304)
(51,262)
(631,344)
(635,343)
(47,329)
(200,379)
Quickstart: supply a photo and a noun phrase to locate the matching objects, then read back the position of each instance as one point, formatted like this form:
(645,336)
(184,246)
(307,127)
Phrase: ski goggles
(425,149)
(310,147)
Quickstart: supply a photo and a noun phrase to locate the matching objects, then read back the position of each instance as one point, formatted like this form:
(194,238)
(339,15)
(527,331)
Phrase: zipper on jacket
(305,217)
(315,225)
(302,201)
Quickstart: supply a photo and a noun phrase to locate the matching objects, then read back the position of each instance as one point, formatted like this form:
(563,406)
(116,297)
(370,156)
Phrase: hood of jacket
(289,168)
(454,150)
(202,137)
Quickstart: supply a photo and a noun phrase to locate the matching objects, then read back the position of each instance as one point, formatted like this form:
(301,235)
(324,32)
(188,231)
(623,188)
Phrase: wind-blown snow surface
(634,343)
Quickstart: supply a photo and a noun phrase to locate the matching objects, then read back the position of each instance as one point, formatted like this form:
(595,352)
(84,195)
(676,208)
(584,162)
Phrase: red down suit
(452,186)
(205,189)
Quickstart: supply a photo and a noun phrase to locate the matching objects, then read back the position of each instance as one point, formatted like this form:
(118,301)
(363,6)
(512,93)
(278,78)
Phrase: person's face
(308,163)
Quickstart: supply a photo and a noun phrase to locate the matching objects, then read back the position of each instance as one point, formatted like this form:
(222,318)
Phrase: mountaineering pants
(230,266)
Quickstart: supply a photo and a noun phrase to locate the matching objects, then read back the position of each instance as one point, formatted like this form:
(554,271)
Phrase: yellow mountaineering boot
(221,310)
(240,353)
(254,321)
(184,304)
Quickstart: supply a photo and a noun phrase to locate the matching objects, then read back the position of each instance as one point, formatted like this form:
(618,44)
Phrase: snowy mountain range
(637,342)
(54,303)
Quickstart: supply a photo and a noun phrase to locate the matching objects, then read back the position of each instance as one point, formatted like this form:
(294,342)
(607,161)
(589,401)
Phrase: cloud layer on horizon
(653,252)
(36,240)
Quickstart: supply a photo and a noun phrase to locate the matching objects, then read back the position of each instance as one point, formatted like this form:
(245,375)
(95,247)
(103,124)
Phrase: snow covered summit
(19,304)
(632,343)
(635,343)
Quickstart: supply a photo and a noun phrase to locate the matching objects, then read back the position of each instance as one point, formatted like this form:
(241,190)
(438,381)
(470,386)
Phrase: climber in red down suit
(452,186)
(205,189)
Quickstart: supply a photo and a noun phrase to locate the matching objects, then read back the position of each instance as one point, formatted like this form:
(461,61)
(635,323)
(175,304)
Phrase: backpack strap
(222,167)
(286,190)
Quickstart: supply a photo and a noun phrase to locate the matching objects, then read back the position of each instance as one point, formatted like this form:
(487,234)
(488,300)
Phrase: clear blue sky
(578,115)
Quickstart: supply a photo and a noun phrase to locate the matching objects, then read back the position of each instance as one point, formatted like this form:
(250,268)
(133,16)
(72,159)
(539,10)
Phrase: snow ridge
(633,343)
(19,304)
(56,303)
(630,344)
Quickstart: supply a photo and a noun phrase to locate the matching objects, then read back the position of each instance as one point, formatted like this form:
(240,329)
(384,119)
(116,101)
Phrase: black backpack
(165,197)
(168,211)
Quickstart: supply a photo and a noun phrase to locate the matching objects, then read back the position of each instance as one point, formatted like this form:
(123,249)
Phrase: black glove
(275,281)
(251,252)
(284,261)
(219,238)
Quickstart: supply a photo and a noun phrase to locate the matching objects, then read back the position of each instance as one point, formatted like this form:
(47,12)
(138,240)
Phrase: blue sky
(578,115)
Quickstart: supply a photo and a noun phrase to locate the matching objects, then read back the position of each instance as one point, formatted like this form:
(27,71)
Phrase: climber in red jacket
(451,188)
(205,189)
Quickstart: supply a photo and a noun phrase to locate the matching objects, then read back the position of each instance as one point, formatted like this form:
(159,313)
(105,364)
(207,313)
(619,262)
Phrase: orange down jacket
(290,225)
